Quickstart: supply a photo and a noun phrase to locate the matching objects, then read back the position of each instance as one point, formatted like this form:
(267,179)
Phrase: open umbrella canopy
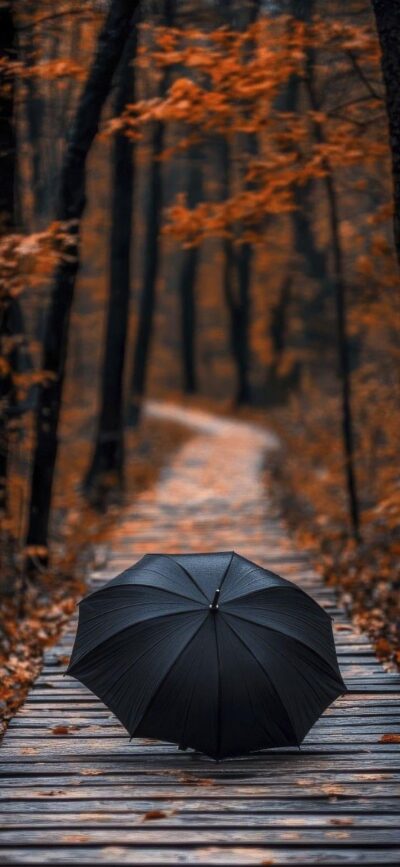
(208,651)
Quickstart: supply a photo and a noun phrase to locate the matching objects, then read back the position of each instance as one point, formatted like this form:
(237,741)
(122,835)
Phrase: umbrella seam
(188,574)
(293,664)
(253,569)
(137,659)
(163,679)
(219,687)
(289,637)
(289,586)
(111,586)
(127,605)
(188,706)
(226,570)
(267,676)
(259,719)
(130,626)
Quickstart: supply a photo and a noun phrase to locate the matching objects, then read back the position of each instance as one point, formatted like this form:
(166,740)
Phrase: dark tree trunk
(241,322)
(236,285)
(387,15)
(280,386)
(112,39)
(8,53)
(34,108)
(239,257)
(344,359)
(343,347)
(187,280)
(151,256)
(317,268)
(151,266)
(314,259)
(105,474)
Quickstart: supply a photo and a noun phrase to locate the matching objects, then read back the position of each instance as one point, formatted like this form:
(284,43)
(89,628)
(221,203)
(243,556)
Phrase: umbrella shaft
(214,604)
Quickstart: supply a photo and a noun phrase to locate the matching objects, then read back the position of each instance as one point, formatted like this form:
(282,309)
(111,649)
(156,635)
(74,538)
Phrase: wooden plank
(175,819)
(203,856)
(91,787)
(168,765)
(149,835)
(286,809)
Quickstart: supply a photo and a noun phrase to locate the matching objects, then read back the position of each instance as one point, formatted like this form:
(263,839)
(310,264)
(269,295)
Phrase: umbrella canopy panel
(208,651)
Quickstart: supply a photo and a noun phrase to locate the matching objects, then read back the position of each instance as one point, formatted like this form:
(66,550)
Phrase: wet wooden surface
(75,791)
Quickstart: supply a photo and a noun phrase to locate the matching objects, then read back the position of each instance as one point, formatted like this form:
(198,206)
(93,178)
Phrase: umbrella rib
(281,632)
(171,593)
(130,626)
(169,669)
(189,575)
(182,743)
(139,583)
(219,714)
(266,675)
(290,586)
(259,719)
(293,663)
(226,570)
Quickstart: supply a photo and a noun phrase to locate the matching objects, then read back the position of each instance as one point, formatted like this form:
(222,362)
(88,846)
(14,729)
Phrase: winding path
(74,790)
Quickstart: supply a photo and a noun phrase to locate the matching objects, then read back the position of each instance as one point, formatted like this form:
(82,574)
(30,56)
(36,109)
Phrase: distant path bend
(75,791)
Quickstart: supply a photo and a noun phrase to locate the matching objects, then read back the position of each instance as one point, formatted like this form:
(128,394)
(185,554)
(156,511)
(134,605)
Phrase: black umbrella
(208,651)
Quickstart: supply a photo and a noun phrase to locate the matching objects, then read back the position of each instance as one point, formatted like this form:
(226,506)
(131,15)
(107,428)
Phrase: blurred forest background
(196,204)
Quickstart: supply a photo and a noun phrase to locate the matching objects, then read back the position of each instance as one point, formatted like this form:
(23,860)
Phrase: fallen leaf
(61,730)
(154,814)
(90,772)
(342,821)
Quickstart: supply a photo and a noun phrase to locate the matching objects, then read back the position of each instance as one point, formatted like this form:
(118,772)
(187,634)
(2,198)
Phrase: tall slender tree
(387,16)
(238,257)
(34,109)
(105,474)
(314,258)
(8,54)
(152,252)
(340,298)
(187,278)
(111,43)
(236,291)
(7,224)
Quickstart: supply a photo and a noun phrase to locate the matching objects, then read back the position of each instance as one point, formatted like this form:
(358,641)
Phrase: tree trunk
(344,358)
(7,224)
(238,258)
(152,255)
(315,261)
(105,474)
(34,109)
(343,349)
(387,15)
(8,53)
(236,285)
(112,39)
(151,266)
(187,280)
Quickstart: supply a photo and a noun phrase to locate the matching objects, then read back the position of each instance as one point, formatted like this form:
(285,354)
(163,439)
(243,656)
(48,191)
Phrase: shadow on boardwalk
(76,791)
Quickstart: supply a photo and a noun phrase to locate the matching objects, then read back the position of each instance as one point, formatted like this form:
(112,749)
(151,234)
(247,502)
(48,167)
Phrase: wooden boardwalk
(74,790)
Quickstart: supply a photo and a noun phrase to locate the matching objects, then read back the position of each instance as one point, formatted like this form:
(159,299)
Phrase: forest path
(75,791)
